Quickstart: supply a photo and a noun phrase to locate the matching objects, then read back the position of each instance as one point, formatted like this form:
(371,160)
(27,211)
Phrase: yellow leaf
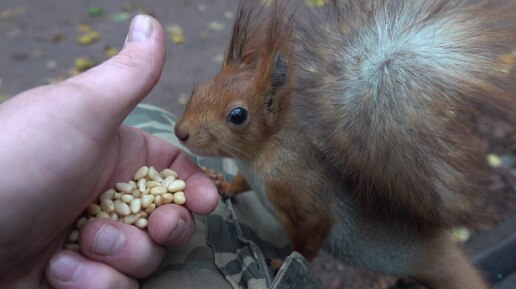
(111,51)
(315,3)
(88,38)
(83,64)
(176,34)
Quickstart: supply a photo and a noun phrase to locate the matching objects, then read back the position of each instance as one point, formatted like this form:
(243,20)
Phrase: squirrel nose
(181,133)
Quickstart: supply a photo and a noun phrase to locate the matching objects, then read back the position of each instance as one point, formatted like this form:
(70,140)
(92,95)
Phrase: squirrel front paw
(224,188)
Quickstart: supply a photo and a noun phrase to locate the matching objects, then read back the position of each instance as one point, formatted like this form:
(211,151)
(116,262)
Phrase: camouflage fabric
(231,246)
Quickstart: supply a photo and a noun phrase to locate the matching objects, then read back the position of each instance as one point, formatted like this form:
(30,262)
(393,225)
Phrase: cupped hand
(63,144)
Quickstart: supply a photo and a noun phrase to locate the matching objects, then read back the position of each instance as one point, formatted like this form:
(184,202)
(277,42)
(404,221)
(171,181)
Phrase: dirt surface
(39,45)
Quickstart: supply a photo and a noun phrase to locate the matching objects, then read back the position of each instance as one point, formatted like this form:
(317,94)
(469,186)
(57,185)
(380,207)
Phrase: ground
(46,41)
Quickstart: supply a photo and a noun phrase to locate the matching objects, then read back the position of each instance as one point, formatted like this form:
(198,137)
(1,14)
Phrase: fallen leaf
(215,25)
(88,38)
(57,37)
(315,3)
(111,51)
(128,7)
(176,34)
(83,64)
(228,14)
(21,56)
(120,17)
(218,58)
(51,64)
(84,28)
(95,11)
(203,34)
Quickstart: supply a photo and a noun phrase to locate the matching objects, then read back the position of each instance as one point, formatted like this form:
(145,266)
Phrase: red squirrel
(354,125)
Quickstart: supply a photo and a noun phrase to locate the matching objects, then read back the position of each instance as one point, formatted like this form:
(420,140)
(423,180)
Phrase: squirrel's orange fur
(355,126)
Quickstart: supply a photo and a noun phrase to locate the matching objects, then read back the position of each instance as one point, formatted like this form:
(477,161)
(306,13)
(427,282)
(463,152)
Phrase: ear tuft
(279,76)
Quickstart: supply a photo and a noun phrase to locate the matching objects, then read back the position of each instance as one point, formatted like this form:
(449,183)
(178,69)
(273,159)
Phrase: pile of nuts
(134,201)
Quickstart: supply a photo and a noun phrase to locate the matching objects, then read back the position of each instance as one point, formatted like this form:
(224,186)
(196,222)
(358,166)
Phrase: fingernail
(178,232)
(108,241)
(66,268)
(140,29)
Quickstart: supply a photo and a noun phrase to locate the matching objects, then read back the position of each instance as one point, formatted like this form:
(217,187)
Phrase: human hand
(62,145)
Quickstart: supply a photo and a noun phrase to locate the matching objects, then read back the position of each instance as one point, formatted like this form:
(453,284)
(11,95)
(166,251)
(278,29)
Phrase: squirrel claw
(220,183)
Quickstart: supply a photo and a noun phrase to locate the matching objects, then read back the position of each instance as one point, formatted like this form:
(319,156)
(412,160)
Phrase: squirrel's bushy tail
(386,89)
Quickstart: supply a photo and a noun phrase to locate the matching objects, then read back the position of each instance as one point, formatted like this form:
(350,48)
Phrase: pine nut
(103,215)
(136,205)
(122,208)
(150,208)
(107,195)
(179,198)
(158,201)
(127,198)
(133,201)
(147,200)
(142,185)
(152,184)
(141,173)
(159,190)
(131,219)
(107,206)
(136,194)
(124,188)
(73,237)
(93,209)
(73,247)
(81,222)
(168,172)
(141,223)
(176,186)
(167,198)
(168,181)
(154,175)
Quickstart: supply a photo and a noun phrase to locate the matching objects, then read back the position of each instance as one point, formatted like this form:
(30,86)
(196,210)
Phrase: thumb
(118,84)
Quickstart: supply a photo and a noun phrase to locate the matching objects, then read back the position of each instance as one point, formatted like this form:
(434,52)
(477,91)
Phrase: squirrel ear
(278,79)
(279,74)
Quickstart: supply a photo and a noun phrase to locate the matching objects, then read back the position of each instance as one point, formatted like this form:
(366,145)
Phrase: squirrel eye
(237,115)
